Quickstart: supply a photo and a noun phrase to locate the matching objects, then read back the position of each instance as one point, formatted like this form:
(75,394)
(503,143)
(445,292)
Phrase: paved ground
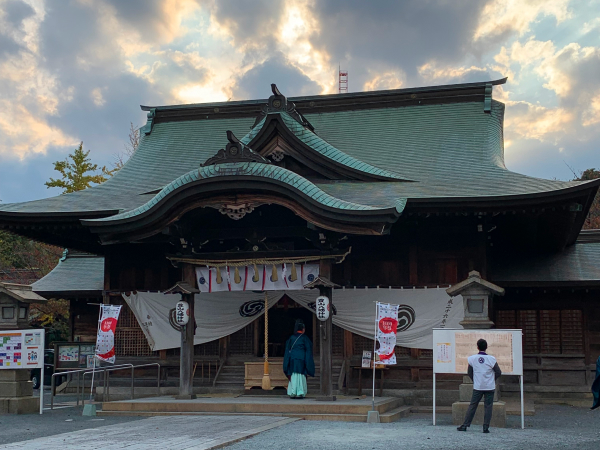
(154,433)
(553,427)
(65,429)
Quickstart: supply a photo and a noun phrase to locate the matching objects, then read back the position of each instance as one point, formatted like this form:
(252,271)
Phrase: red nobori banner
(387,326)
(105,342)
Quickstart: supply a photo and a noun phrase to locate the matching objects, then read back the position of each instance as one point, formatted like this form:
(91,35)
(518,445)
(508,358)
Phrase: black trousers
(488,407)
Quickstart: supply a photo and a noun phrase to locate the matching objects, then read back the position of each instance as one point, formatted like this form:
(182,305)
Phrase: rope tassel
(256,277)
(236,276)
(219,278)
(274,274)
(293,275)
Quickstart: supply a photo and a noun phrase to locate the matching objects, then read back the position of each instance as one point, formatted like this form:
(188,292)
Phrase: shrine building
(386,196)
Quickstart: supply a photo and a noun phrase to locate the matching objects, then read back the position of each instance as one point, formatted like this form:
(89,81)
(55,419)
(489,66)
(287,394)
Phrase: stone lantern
(16,391)
(476,294)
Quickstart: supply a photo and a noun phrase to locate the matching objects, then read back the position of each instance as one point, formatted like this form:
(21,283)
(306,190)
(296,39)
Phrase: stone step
(395,414)
(580,403)
(329,417)
(270,405)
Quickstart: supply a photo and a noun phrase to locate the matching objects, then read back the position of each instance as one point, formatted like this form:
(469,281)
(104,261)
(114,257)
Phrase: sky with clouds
(77,70)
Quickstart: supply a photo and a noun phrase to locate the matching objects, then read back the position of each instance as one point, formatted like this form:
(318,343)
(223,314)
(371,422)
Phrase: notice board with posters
(452,348)
(74,355)
(21,349)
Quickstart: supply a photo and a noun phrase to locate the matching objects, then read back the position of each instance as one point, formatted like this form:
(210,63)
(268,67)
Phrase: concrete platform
(349,409)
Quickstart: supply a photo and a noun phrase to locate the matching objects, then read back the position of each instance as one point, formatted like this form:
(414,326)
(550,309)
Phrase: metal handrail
(106,382)
(78,372)
(106,387)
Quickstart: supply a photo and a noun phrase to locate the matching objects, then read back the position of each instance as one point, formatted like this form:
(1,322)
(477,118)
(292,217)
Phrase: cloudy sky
(77,70)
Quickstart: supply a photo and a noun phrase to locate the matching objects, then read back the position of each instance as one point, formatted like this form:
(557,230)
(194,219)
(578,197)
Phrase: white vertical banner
(107,325)
(387,326)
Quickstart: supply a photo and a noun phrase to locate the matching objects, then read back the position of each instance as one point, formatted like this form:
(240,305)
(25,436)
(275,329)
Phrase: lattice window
(426,353)
(131,342)
(545,331)
(527,320)
(506,320)
(402,352)
(571,331)
(129,337)
(338,341)
(242,341)
(550,332)
(207,349)
(362,343)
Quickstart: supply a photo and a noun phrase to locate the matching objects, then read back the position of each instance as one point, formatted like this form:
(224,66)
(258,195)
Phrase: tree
(130,148)
(24,261)
(593,218)
(77,172)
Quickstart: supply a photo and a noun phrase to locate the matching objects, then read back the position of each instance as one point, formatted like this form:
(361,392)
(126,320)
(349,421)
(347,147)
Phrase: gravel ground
(552,427)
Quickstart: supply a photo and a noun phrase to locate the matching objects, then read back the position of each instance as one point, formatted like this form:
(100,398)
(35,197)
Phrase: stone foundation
(459,409)
(16,393)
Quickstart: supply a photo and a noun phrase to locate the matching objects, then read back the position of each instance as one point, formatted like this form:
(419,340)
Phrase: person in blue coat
(298,361)
(596,386)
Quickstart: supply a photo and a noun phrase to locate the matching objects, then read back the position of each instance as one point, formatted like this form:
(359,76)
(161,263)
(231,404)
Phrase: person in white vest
(484,371)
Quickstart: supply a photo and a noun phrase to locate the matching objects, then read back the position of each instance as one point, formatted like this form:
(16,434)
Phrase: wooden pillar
(107,287)
(348,353)
(412,265)
(325,338)
(186,368)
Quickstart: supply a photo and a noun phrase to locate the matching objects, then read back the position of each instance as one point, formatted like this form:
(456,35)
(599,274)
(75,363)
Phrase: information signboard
(452,348)
(22,349)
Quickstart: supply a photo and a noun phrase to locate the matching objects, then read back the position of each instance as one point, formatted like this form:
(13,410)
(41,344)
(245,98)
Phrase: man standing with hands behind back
(484,371)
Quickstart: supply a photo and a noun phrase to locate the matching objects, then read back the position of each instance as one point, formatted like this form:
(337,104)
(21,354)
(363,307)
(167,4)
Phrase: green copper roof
(449,150)
(258,171)
(321,146)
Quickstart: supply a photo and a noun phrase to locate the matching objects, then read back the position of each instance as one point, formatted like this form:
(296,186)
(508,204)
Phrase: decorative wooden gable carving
(234,152)
(284,135)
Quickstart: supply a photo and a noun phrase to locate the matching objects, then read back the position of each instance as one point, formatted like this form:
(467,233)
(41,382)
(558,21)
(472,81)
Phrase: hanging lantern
(322,308)
(182,313)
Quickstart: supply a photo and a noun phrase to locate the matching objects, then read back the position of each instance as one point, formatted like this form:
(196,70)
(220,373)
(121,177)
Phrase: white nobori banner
(387,326)
(107,325)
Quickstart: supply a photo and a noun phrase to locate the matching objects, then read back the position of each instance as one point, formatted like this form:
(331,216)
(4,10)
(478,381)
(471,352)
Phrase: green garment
(297,385)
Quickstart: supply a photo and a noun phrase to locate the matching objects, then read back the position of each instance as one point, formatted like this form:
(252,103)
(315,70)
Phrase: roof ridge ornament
(279,103)
(235,151)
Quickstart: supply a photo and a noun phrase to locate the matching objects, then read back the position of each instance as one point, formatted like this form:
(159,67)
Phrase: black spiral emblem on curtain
(406,317)
(252,308)
(172,320)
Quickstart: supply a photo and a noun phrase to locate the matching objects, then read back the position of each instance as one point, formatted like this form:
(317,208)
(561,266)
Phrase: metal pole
(158,381)
(78,378)
(95,351)
(434,397)
(52,383)
(374,348)
(132,393)
(43,336)
(522,404)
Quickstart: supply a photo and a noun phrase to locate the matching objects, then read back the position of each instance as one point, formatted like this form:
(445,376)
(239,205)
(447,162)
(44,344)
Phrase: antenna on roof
(343,81)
